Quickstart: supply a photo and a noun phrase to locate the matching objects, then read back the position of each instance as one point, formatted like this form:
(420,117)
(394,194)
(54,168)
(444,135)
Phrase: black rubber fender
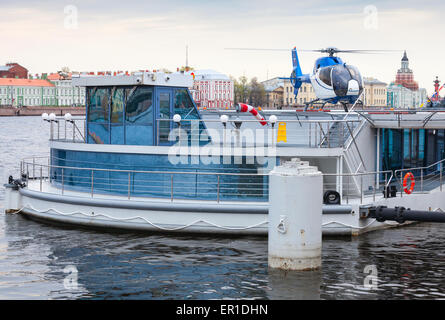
(331,197)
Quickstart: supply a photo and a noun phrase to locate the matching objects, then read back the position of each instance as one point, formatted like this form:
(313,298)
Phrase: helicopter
(333,80)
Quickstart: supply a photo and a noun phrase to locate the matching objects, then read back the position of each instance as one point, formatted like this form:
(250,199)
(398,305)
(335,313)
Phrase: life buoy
(242,107)
(410,176)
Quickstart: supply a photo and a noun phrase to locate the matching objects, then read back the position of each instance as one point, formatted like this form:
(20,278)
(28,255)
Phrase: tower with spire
(405,76)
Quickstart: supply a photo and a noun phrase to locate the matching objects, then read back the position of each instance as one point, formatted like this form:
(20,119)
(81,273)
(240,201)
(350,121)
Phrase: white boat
(145,158)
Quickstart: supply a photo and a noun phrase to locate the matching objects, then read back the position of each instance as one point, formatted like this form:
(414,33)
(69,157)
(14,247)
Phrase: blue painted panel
(117,134)
(139,135)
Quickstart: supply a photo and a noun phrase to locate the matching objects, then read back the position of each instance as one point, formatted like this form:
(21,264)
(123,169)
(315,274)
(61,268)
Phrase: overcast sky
(131,35)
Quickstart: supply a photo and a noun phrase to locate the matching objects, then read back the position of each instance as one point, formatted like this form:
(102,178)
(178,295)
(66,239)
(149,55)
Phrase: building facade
(40,92)
(26,92)
(306,94)
(13,70)
(274,93)
(212,90)
(66,93)
(375,93)
(404,98)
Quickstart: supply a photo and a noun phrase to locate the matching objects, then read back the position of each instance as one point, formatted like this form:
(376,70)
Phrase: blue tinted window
(139,108)
(98,99)
(184,105)
(117,105)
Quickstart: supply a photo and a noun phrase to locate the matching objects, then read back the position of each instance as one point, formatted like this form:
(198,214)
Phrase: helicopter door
(340,80)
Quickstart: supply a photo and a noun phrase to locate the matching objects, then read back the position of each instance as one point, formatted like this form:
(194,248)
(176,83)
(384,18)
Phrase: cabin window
(139,108)
(117,135)
(117,105)
(325,75)
(139,116)
(98,105)
(184,105)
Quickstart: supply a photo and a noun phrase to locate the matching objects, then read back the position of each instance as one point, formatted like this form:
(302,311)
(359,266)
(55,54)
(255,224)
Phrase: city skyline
(152,35)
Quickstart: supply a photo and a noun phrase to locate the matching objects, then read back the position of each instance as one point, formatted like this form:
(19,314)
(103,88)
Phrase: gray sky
(132,35)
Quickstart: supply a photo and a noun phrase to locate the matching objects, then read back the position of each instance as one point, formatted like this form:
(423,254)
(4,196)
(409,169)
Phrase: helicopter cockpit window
(325,75)
(355,74)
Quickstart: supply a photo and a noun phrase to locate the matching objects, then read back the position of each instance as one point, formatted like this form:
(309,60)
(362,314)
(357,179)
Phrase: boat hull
(160,215)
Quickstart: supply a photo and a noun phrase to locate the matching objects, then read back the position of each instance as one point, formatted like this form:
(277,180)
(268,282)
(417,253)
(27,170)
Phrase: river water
(40,261)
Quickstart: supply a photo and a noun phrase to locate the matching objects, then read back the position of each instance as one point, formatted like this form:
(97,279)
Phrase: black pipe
(400,214)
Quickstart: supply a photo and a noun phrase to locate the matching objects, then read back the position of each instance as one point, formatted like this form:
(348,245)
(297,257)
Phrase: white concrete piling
(296,200)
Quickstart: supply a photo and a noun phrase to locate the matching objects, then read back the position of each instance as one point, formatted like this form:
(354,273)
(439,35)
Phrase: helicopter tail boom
(297,78)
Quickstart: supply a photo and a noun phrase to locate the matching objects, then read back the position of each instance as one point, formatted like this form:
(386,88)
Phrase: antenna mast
(186,56)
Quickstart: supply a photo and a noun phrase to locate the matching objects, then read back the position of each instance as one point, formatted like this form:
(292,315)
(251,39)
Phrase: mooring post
(296,199)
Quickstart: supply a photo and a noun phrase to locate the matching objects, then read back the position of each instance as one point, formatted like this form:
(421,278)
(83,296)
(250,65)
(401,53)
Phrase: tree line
(251,92)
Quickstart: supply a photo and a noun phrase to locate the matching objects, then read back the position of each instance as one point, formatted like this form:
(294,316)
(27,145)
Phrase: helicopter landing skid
(313,103)
(345,104)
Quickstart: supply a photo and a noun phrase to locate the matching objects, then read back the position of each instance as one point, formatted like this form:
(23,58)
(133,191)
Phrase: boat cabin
(136,109)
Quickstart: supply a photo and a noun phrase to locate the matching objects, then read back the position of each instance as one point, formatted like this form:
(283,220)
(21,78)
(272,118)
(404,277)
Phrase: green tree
(257,94)
(241,90)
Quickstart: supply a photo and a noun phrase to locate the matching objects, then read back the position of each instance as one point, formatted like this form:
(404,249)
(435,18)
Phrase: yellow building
(275,98)
(305,94)
(375,93)
(274,93)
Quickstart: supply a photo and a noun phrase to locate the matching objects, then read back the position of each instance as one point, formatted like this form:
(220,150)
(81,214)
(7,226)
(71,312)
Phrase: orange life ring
(405,180)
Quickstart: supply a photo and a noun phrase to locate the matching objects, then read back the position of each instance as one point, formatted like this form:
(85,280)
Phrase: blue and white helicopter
(333,80)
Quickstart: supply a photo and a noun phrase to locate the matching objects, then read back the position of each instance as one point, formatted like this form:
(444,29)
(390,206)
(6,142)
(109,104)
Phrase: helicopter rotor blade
(269,49)
(367,51)
(331,51)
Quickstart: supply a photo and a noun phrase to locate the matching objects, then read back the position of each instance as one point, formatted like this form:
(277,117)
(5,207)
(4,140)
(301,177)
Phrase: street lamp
(272,120)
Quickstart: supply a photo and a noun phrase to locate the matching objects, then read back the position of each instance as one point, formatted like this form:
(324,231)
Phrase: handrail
(206,188)
(431,176)
(419,168)
(142,171)
(279,120)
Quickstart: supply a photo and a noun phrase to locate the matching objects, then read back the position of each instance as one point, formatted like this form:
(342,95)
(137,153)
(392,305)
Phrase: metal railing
(72,130)
(302,133)
(425,178)
(215,186)
(358,185)
(330,133)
